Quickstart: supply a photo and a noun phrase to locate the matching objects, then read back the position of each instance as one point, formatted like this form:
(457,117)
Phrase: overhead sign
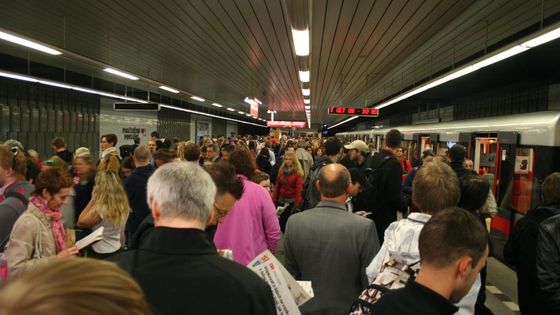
(136,106)
(286,124)
(371,112)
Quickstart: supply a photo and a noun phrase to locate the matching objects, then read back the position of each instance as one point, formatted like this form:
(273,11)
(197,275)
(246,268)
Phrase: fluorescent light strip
(306,92)
(168,89)
(120,73)
(545,38)
(230,109)
(307,107)
(217,105)
(301,41)
(304,76)
(483,62)
(240,112)
(210,115)
(27,43)
(111,95)
(197,98)
(306,101)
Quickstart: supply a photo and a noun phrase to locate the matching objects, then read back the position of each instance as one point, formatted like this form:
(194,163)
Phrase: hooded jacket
(66,156)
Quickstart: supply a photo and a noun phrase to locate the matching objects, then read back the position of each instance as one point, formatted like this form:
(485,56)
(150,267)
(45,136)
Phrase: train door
(485,162)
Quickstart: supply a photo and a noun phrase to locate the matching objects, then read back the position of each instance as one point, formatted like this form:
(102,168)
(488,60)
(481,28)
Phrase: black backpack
(372,176)
(309,198)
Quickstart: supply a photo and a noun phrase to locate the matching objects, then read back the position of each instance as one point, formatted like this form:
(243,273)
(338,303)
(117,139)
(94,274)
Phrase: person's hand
(68,252)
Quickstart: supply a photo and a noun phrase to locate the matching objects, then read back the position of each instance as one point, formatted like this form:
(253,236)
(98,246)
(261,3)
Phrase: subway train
(515,153)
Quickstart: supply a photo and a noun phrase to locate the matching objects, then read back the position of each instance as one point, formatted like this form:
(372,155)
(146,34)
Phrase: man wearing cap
(361,157)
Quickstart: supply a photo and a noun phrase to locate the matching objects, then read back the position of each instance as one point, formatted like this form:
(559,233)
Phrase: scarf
(105,153)
(56,223)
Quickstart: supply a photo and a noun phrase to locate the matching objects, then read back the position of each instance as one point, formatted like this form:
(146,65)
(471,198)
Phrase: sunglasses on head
(14,153)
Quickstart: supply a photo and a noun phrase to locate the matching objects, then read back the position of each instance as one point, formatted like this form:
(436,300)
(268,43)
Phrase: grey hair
(142,153)
(183,190)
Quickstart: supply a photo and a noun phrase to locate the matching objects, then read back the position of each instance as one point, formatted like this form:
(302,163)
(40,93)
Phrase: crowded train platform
(290,157)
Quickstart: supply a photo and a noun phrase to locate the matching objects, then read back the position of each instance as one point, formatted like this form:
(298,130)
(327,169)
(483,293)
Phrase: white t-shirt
(111,241)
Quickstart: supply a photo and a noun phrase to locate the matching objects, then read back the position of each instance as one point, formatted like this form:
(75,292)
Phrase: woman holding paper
(38,236)
(108,208)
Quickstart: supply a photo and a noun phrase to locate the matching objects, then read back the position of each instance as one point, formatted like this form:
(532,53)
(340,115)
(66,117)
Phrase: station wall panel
(174,124)
(35,114)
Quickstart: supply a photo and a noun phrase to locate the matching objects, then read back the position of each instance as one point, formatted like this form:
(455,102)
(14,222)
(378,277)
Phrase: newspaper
(90,239)
(288,294)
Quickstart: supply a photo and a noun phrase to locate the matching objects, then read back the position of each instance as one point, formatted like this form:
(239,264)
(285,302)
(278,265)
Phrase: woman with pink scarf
(38,236)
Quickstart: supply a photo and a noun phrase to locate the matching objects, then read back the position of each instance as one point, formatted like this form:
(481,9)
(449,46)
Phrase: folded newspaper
(288,293)
(90,239)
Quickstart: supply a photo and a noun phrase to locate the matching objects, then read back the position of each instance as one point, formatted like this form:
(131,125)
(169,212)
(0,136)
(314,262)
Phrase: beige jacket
(110,163)
(31,230)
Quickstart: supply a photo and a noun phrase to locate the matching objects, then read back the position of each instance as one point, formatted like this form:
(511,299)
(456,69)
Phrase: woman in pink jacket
(251,226)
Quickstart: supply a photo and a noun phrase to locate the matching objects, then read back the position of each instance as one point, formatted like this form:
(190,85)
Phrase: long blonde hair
(78,286)
(296,165)
(110,200)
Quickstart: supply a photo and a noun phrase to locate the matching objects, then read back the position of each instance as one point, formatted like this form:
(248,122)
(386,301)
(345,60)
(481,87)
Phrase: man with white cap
(360,155)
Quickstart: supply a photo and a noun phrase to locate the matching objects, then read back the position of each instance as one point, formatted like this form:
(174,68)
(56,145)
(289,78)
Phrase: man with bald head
(330,247)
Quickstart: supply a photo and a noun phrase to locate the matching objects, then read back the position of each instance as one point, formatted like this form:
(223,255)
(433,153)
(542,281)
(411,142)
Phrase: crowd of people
(181,220)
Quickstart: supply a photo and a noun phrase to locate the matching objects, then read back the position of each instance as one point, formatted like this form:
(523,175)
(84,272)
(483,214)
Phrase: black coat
(548,264)
(135,186)
(389,179)
(181,273)
(521,250)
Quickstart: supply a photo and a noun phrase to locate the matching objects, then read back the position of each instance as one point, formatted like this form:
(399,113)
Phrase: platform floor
(501,288)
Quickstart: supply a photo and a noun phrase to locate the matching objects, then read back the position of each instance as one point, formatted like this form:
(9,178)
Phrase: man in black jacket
(135,187)
(521,248)
(177,265)
(548,264)
(385,182)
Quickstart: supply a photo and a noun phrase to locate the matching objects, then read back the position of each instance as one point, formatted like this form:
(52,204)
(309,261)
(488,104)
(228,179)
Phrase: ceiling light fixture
(197,98)
(306,101)
(304,76)
(230,109)
(307,107)
(544,38)
(121,74)
(27,43)
(217,105)
(301,41)
(306,92)
(168,89)
(240,112)
(111,95)
(482,62)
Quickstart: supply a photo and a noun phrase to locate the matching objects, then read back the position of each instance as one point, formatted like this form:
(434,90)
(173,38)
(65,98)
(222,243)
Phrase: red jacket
(289,190)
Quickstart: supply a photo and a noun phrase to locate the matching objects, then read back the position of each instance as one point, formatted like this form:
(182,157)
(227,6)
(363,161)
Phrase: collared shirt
(415,299)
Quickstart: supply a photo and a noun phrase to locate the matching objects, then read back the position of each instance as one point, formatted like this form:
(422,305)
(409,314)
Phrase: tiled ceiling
(361,50)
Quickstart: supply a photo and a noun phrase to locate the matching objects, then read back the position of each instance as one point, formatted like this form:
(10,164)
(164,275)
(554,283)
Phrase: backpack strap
(18,196)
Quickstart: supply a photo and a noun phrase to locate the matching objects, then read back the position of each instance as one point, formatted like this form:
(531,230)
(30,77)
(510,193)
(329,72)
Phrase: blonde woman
(108,208)
(289,182)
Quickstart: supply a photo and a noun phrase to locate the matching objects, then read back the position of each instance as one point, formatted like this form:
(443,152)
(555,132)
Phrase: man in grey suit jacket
(331,247)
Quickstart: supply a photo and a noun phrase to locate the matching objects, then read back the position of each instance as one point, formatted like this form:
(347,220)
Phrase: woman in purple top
(251,226)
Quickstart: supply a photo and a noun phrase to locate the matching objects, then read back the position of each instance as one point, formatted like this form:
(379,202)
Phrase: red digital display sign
(286,124)
(371,112)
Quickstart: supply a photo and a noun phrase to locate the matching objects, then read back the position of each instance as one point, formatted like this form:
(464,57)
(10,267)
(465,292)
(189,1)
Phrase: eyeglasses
(14,153)
(220,212)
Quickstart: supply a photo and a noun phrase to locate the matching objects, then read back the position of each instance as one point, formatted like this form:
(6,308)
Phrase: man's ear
(155,212)
(464,265)
(318,185)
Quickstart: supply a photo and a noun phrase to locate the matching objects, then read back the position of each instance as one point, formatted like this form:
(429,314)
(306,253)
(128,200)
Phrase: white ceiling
(361,50)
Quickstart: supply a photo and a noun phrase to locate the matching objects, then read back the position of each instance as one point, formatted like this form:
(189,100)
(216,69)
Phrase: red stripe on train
(501,224)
